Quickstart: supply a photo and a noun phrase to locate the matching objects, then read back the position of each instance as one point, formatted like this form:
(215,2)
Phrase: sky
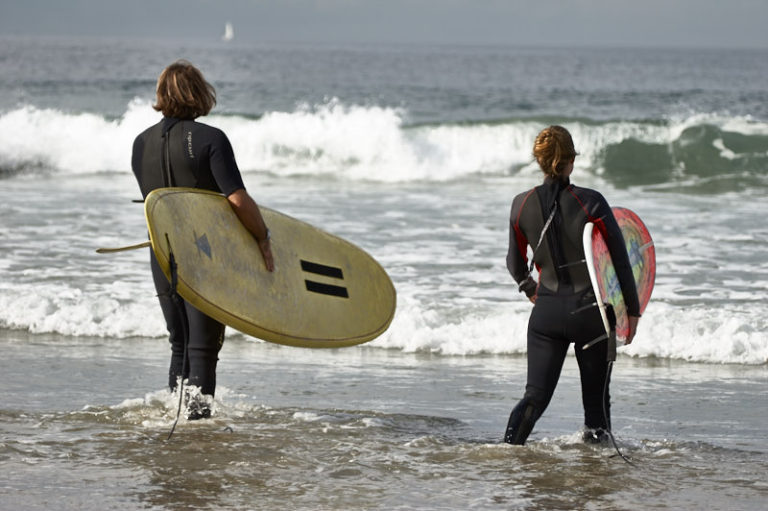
(639,23)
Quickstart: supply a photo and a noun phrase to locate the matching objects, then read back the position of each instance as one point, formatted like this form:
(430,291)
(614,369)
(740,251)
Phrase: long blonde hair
(553,150)
(182,92)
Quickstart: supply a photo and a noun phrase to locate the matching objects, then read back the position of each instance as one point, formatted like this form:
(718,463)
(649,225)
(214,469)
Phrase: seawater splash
(711,334)
(429,201)
(372,143)
(70,143)
(702,334)
(67,310)
(377,144)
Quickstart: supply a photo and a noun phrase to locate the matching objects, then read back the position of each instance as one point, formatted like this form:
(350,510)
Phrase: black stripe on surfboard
(326,289)
(321,269)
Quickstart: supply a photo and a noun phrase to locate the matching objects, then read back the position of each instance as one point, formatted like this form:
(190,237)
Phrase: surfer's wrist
(528,286)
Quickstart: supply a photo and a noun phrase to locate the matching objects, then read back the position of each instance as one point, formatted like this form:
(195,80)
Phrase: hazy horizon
(590,23)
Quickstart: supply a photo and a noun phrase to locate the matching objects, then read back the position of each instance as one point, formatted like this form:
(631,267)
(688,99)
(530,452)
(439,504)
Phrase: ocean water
(413,153)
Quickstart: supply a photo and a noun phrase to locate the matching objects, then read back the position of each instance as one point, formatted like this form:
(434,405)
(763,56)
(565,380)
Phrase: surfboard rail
(588,256)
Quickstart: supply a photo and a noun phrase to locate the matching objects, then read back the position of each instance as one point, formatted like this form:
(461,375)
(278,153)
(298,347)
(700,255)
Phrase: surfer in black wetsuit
(178,151)
(550,218)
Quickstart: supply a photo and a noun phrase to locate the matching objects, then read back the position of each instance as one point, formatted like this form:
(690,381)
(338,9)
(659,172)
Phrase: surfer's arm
(249,214)
(517,261)
(618,250)
(632,320)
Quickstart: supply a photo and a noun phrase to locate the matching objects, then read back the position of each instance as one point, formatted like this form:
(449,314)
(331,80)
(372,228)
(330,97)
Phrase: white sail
(229,32)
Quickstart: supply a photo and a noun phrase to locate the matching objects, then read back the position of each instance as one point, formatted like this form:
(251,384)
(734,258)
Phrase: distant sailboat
(229,32)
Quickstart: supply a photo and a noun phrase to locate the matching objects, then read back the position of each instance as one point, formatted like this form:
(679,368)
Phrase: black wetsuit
(200,157)
(562,312)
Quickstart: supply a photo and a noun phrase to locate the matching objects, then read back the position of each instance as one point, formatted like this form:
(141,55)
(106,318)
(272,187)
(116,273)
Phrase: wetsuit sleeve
(223,165)
(517,253)
(138,151)
(611,232)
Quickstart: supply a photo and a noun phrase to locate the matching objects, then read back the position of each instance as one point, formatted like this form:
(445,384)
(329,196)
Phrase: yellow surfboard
(324,293)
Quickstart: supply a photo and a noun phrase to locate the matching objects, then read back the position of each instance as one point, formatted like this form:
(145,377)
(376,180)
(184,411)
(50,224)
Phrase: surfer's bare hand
(532,299)
(632,328)
(266,252)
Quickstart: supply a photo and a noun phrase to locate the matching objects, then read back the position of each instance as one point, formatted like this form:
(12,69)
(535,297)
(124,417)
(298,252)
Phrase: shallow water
(366,428)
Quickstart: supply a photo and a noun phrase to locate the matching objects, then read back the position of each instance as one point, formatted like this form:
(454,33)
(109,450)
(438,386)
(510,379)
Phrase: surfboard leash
(176,299)
(611,359)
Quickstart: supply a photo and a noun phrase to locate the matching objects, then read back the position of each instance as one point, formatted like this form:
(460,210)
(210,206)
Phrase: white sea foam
(348,141)
(702,334)
(711,335)
(454,297)
(73,143)
(60,308)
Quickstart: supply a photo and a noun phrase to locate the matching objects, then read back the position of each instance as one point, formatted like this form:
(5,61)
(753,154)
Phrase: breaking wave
(378,144)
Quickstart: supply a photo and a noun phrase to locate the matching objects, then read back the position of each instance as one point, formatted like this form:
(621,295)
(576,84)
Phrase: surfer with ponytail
(554,152)
(550,219)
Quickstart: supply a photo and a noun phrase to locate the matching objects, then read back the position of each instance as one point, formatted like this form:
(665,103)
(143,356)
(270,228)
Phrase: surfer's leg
(206,336)
(546,354)
(174,322)
(521,422)
(584,326)
(595,395)
(593,368)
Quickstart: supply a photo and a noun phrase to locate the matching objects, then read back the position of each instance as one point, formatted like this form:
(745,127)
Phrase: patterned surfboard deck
(642,257)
